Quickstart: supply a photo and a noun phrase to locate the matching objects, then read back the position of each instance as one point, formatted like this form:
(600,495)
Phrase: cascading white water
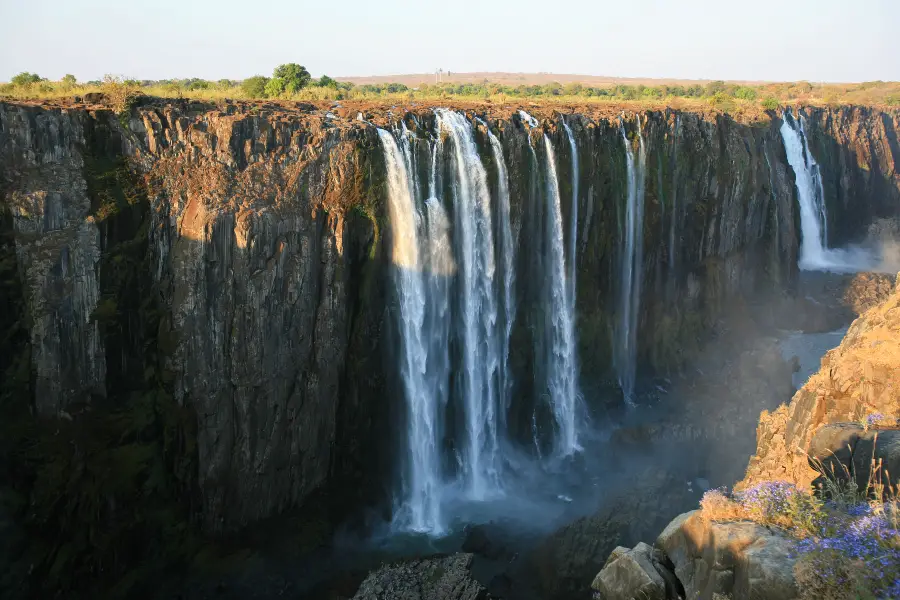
(674,217)
(507,253)
(422,505)
(814,252)
(455,286)
(812,202)
(625,356)
(480,347)
(532,122)
(561,368)
(573,228)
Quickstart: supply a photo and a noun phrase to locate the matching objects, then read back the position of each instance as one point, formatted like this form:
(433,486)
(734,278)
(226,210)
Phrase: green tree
(25,78)
(274,87)
(715,87)
(69,80)
(770,104)
(255,87)
(745,93)
(294,77)
(326,81)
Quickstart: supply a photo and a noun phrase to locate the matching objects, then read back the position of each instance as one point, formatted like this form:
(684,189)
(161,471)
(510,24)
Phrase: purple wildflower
(874,418)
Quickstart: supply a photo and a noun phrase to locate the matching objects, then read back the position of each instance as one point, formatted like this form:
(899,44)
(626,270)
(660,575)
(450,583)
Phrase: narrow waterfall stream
(422,508)
(625,356)
(815,255)
(507,253)
(561,385)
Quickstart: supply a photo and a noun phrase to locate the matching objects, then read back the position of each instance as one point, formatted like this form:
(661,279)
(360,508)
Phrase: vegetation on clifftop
(292,81)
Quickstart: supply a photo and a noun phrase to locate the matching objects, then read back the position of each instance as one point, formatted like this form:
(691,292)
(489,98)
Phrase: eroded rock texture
(861,377)
(231,257)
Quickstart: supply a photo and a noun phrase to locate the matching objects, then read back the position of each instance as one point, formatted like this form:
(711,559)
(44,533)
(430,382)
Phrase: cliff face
(857,148)
(861,377)
(232,259)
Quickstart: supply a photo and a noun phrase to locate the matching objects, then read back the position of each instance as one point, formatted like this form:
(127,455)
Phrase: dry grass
(768,95)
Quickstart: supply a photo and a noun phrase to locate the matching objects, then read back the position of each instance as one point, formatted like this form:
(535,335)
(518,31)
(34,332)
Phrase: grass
(848,539)
(741,101)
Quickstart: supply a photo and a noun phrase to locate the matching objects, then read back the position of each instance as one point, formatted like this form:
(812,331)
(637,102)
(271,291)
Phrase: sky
(813,40)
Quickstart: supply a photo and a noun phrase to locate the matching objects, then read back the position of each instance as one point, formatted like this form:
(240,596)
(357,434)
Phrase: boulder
(435,578)
(565,563)
(841,450)
(631,575)
(743,559)
(876,458)
(95,98)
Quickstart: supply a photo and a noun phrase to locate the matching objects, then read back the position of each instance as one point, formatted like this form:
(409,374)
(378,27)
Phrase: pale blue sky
(816,40)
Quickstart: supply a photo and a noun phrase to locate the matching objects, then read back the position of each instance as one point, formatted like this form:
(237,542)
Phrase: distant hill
(515,79)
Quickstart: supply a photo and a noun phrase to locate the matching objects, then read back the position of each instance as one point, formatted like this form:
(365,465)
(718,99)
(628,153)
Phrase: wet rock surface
(440,578)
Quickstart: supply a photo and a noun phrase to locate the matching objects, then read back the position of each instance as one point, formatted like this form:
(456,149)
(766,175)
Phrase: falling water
(674,217)
(480,346)
(561,373)
(509,273)
(573,228)
(630,294)
(422,506)
(814,252)
(532,122)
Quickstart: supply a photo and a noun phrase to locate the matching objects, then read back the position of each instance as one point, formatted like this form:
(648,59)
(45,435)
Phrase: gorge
(419,317)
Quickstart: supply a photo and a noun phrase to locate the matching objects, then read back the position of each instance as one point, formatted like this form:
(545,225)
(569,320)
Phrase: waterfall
(674,210)
(422,507)
(625,354)
(573,228)
(561,384)
(454,254)
(814,252)
(809,191)
(479,342)
(509,274)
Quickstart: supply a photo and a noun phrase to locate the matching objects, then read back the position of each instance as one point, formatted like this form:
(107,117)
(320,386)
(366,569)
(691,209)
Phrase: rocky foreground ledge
(772,539)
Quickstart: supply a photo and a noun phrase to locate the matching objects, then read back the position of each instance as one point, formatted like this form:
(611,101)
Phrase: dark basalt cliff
(196,297)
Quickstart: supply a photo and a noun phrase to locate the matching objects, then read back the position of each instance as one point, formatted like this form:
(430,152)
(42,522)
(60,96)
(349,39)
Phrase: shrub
(255,87)
(25,79)
(326,81)
(745,93)
(274,87)
(121,92)
(69,81)
(855,554)
(893,100)
(769,104)
(723,102)
(774,503)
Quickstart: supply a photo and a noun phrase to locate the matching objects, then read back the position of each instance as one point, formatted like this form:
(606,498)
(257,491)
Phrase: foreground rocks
(695,558)
(438,578)
(851,452)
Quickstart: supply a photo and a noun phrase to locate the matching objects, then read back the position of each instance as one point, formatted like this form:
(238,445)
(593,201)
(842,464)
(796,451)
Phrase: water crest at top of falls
(815,255)
(625,353)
